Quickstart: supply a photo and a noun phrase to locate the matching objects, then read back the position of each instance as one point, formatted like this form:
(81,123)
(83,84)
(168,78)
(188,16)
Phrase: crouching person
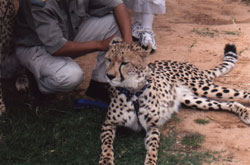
(51,33)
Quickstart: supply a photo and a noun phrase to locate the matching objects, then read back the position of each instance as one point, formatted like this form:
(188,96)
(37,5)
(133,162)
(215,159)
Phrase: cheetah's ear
(145,52)
(115,40)
(148,49)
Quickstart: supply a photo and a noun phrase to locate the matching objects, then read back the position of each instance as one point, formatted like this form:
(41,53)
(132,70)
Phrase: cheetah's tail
(230,58)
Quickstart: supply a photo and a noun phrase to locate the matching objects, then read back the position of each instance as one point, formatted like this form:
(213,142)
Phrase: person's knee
(66,78)
(76,77)
(73,76)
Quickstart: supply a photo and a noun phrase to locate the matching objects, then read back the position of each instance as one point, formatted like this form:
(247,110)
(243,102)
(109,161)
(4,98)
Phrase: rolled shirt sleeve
(47,25)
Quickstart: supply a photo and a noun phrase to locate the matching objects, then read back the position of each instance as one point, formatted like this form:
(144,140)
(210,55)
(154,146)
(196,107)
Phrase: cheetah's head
(125,65)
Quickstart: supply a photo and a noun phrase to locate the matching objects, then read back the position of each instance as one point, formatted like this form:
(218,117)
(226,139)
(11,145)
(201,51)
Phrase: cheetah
(143,96)
(7,23)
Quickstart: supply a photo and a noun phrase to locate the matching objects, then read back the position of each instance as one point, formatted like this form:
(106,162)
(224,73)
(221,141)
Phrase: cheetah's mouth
(115,84)
(128,84)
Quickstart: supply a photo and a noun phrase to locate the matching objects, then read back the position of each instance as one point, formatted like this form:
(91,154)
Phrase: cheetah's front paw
(106,161)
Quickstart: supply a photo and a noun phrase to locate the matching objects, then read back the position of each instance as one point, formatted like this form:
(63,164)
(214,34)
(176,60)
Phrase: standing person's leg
(147,21)
(144,12)
(53,74)
(147,36)
(98,28)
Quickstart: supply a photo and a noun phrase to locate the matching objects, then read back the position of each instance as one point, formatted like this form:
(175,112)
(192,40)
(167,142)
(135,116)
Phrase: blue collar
(130,94)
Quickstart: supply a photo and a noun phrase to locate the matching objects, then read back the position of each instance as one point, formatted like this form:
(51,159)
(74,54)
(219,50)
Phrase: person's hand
(104,44)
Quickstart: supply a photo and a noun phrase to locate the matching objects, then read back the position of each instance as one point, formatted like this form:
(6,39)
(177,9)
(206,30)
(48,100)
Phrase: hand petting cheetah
(145,95)
(7,21)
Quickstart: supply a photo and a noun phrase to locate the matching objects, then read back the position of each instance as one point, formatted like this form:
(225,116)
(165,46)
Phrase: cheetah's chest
(154,105)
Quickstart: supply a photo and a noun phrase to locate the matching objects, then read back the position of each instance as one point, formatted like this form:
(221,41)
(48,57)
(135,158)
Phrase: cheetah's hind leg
(204,103)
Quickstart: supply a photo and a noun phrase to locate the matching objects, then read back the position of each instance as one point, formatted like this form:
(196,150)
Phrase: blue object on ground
(82,103)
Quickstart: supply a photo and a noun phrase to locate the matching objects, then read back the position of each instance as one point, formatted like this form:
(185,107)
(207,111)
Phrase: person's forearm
(123,21)
(76,49)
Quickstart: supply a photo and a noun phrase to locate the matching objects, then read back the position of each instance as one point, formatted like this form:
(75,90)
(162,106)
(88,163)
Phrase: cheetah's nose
(110,76)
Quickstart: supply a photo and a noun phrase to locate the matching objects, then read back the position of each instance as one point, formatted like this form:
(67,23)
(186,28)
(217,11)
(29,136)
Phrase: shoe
(99,91)
(136,29)
(147,38)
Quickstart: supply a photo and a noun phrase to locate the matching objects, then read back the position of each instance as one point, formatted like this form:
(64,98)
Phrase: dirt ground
(196,31)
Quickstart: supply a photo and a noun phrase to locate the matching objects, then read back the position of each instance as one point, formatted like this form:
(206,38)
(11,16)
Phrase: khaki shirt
(51,23)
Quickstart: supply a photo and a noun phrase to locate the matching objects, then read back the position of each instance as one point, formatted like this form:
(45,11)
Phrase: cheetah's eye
(108,60)
(124,63)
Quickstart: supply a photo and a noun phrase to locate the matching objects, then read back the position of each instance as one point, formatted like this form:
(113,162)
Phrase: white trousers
(147,6)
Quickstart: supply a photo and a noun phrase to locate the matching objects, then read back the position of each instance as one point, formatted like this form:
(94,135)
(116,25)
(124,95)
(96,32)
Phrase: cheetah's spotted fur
(7,49)
(7,15)
(145,96)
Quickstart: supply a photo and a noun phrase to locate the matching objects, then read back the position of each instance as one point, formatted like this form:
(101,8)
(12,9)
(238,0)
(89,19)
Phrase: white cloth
(147,6)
